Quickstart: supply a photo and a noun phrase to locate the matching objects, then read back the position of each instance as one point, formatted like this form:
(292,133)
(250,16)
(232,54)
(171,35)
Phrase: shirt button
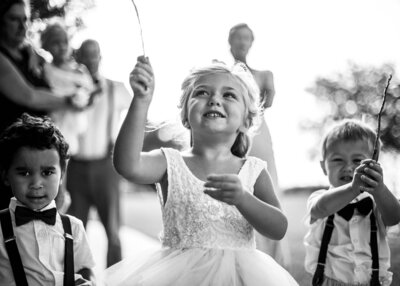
(355,240)
(42,233)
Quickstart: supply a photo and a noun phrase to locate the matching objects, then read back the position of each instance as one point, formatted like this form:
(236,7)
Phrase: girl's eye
(23,173)
(200,93)
(357,161)
(337,160)
(230,95)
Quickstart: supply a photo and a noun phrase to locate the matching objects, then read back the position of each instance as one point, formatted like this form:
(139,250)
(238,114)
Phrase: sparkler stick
(375,154)
(140,26)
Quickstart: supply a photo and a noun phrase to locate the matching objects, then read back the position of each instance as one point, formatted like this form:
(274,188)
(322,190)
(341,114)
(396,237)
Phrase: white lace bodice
(192,219)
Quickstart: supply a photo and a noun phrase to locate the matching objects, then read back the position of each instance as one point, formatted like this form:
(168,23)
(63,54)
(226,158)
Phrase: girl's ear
(245,127)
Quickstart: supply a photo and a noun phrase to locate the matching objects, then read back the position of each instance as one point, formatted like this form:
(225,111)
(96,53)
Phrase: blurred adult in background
(65,76)
(92,180)
(22,87)
(241,39)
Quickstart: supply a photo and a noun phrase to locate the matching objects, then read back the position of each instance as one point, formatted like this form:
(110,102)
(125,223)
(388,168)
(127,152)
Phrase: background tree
(358,93)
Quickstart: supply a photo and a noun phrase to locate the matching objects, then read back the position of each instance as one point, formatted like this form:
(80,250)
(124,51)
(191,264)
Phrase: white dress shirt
(41,247)
(94,143)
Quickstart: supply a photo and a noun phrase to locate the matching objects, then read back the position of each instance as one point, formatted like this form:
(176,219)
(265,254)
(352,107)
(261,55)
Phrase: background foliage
(358,93)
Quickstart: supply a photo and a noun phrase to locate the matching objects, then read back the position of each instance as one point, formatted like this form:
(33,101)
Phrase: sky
(296,40)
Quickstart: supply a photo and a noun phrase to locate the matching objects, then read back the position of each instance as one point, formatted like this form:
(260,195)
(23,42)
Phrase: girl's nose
(214,100)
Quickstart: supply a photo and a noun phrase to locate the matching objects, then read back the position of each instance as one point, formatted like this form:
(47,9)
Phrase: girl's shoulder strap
(251,170)
(170,153)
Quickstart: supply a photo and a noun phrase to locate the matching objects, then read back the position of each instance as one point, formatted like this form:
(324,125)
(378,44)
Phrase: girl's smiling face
(216,104)
(342,158)
(34,176)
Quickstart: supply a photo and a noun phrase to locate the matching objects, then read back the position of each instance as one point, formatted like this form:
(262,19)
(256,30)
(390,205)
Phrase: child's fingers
(376,175)
(222,177)
(140,70)
(367,189)
(369,181)
(219,184)
(145,64)
(216,194)
(368,161)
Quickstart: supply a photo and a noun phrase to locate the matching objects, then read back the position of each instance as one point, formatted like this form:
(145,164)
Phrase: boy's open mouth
(346,178)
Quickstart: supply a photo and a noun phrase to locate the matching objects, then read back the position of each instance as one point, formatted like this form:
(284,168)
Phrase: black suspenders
(318,277)
(15,258)
(12,249)
(69,273)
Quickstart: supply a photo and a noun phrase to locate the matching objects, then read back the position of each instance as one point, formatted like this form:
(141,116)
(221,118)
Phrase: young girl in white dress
(212,195)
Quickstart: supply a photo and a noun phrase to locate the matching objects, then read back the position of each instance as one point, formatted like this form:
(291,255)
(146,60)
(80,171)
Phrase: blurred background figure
(92,180)
(22,86)
(65,76)
(241,39)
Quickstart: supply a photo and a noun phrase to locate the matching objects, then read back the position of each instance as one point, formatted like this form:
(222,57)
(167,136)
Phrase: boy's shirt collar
(14,203)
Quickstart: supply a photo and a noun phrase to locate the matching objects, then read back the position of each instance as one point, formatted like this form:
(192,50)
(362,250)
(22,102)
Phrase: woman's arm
(129,160)
(268,88)
(14,86)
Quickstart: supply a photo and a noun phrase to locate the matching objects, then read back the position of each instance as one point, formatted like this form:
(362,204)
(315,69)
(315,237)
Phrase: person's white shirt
(94,143)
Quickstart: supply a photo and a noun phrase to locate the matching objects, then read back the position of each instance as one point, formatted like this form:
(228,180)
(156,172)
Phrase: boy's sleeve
(83,257)
(311,201)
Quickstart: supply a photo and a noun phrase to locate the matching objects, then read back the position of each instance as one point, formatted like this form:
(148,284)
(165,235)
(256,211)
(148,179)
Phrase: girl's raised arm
(129,160)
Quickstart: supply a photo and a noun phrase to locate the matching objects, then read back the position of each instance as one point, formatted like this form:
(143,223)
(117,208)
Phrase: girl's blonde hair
(250,95)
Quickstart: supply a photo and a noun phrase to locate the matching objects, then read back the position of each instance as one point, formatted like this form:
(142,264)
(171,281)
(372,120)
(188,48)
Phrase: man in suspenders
(92,180)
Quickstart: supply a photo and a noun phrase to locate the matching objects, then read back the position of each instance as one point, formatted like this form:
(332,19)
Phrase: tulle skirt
(199,267)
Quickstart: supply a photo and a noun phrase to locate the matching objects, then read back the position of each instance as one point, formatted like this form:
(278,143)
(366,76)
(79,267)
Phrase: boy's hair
(237,27)
(32,132)
(251,98)
(348,130)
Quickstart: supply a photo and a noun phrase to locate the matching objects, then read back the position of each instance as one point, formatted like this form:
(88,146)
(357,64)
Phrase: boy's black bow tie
(25,215)
(364,207)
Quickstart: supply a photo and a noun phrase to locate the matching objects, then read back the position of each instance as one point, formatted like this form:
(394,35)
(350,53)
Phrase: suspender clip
(68,236)
(322,264)
(9,239)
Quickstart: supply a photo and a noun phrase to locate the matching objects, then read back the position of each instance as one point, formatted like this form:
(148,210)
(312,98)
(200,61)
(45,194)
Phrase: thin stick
(375,154)
(140,26)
